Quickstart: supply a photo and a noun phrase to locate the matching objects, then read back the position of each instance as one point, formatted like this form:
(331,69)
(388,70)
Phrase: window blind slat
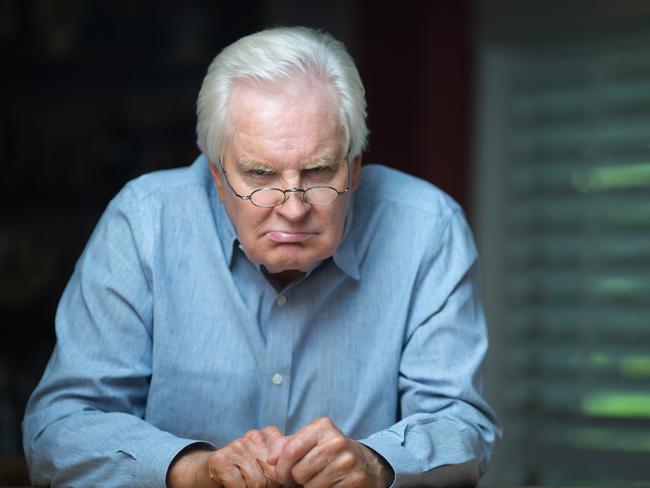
(572,216)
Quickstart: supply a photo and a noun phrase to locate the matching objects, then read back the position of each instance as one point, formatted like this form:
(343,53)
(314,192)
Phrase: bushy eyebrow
(323,163)
(247,165)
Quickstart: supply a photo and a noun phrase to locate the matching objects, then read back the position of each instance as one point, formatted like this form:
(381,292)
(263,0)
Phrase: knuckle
(338,443)
(253,435)
(237,445)
(272,430)
(356,479)
(347,460)
(324,422)
(298,476)
(292,450)
(217,458)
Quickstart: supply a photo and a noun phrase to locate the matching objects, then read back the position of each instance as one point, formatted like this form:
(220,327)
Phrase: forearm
(98,449)
(189,468)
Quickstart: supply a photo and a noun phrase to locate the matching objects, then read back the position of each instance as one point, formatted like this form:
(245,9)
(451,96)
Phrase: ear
(217,178)
(356,171)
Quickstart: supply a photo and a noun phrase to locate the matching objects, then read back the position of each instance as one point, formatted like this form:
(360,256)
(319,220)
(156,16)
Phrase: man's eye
(259,172)
(320,170)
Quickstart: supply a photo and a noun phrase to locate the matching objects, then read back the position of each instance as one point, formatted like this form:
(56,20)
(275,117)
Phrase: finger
(294,449)
(272,433)
(253,475)
(276,450)
(356,479)
(228,477)
(330,443)
(274,441)
(269,472)
(260,443)
(244,454)
(317,432)
(342,472)
(330,456)
(234,467)
(267,469)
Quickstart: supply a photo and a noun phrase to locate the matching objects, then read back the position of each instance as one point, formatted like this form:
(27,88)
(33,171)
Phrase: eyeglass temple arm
(223,174)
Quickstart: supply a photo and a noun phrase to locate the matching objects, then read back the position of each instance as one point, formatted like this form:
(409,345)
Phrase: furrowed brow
(247,165)
(324,163)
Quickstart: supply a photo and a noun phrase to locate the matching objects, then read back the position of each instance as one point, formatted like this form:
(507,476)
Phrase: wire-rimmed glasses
(273,197)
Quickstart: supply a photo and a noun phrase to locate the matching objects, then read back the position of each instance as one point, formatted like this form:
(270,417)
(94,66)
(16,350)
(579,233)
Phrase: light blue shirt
(168,335)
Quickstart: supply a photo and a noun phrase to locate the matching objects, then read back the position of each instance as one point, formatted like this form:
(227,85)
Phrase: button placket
(277,368)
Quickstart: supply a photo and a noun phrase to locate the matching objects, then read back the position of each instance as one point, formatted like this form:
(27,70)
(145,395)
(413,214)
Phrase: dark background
(96,93)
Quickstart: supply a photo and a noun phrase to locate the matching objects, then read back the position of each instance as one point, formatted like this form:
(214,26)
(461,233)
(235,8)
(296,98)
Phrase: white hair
(273,55)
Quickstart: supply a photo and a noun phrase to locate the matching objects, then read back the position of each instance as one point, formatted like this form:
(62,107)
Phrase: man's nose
(294,208)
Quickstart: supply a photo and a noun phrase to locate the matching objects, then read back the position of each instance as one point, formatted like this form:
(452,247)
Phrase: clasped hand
(317,456)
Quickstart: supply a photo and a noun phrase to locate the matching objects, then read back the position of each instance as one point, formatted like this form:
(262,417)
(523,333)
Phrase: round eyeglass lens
(320,195)
(267,197)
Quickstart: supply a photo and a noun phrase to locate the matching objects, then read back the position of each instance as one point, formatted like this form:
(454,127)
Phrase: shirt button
(282,300)
(277,379)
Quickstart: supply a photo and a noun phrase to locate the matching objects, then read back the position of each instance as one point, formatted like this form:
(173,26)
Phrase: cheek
(333,223)
(246,220)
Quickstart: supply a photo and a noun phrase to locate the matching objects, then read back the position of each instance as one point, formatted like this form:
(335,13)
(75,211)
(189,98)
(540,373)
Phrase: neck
(284,278)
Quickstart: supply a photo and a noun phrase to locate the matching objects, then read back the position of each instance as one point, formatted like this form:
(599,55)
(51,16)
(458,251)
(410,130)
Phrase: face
(286,136)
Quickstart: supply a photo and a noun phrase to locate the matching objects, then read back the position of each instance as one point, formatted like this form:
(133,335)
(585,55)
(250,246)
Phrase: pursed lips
(289,236)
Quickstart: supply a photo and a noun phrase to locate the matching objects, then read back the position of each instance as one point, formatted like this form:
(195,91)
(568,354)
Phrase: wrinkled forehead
(297,115)
(307,93)
(304,93)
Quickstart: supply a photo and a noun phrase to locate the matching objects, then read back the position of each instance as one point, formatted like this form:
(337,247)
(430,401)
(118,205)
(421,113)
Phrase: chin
(291,263)
(275,267)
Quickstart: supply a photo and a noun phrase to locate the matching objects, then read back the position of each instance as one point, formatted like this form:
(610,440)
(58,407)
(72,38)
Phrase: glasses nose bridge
(288,191)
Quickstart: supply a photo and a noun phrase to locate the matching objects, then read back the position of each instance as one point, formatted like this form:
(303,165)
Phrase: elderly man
(273,315)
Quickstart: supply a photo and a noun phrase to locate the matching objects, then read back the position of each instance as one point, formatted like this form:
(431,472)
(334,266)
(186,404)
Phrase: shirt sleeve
(447,431)
(84,422)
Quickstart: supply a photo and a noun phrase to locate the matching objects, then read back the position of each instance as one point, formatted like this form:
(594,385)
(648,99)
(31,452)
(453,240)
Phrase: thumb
(277,450)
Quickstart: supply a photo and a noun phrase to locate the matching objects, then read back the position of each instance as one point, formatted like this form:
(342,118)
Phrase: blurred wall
(562,188)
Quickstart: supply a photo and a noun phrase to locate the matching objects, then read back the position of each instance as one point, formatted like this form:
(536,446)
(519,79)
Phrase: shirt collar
(225,228)
(345,256)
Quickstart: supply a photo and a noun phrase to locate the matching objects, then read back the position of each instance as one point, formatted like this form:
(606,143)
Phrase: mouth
(289,237)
